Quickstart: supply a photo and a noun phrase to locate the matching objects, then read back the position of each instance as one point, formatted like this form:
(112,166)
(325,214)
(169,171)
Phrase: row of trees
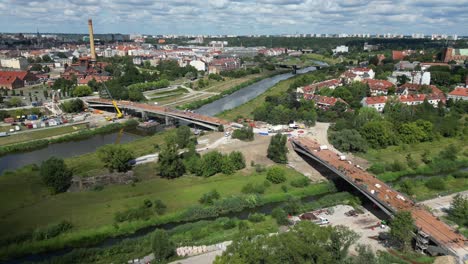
(399,124)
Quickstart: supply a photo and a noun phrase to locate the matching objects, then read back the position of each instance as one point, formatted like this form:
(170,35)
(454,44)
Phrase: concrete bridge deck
(208,121)
(386,197)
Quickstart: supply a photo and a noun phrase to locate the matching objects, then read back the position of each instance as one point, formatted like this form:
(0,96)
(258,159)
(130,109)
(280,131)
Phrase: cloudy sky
(236,16)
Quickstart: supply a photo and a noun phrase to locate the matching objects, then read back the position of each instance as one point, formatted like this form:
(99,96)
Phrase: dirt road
(439,205)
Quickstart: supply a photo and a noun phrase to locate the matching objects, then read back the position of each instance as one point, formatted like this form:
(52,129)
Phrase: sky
(239,17)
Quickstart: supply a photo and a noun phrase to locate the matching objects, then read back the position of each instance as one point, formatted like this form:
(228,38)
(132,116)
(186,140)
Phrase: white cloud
(237,16)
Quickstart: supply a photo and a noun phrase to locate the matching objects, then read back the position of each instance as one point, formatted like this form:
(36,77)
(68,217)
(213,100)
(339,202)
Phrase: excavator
(114,103)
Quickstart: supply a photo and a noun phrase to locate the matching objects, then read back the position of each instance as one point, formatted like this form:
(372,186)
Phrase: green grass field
(220,86)
(40,134)
(24,196)
(399,153)
(320,57)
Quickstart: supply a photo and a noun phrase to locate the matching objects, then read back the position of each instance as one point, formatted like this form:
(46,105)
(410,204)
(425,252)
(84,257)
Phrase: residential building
(10,82)
(458,55)
(357,75)
(25,77)
(324,102)
(459,93)
(14,63)
(312,88)
(368,47)
(415,77)
(400,55)
(378,87)
(225,64)
(377,102)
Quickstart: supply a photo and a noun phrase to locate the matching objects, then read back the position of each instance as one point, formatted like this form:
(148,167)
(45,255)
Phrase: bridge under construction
(432,236)
(166,112)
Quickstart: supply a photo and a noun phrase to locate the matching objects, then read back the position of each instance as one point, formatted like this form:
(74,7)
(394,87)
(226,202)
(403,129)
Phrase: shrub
(229,224)
(259,168)
(256,217)
(147,203)
(162,246)
(52,230)
(377,168)
(237,159)
(284,188)
(251,188)
(245,134)
(159,207)
(133,214)
(280,216)
(116,157)
(436,184)
(276,175)
(210,197)
(301,182)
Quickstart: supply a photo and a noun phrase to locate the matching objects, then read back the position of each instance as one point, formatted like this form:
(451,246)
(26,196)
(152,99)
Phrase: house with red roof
(378,87)
(312,88)
(224,64)
(24,77)
(400,55)
(377,102)
(357,75)
(459,93)
(10,82)
(324,102)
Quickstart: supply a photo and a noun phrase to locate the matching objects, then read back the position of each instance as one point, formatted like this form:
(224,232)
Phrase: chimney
(91,40)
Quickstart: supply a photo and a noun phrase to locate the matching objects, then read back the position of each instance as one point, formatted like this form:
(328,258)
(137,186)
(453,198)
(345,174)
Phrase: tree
(36,67)
(280,216)
(82,90)
(226,165)
(237,159)
(277,149)
(159,207)
(56,175)
(72,106)
(170,164)
(183,134)
(341,238)
(401,229)
(411,162)
(163,248)
(276,175)
(135,94)
(348,140)
(211,163)
(459,210)
(379,134)
(116,157)
(402,79)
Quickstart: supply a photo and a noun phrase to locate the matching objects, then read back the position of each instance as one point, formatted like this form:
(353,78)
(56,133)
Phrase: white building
(415,77)
(459,93)
(341,49)
(14,63)
(198,64)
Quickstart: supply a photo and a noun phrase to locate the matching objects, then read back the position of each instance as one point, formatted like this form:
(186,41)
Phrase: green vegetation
(306,242)
(245,134)
(146,86)
(40,134)
(402,227)
(276,175)
(200,103)
(163,248)
(93,213)
(277,150)
(82,90)
(72,106)
(277,91)
(56,175)
(81,134)
(115,157)
(458,212)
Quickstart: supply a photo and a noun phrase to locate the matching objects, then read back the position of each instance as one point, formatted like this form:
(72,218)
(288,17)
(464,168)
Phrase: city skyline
(238,17)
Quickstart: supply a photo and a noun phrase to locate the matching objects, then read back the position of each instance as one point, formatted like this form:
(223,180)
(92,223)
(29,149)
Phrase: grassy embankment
(419,187)
(40,134)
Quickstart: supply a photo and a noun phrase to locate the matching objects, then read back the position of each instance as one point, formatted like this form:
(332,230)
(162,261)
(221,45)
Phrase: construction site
(432,236)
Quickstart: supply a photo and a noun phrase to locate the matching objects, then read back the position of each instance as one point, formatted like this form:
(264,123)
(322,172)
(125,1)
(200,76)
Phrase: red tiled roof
(459,91)
(20,74)
(376,100)
(317,86)
(7,80)
(381,85)
(360,70)
(323,100)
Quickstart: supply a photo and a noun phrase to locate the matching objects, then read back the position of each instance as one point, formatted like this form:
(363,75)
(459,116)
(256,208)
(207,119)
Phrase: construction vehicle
(114,103)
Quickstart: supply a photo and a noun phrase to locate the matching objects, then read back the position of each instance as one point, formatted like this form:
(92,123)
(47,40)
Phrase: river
(63,150)
(248,93)
(74,148)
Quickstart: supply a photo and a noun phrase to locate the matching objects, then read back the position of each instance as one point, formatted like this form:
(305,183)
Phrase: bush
(51,231)
(251,188)
(377,168)
(56,175)
(245,134)
(256,217)
(229,224)
(276,175)
(436,183)
(280,216)
(141,213)
(159,207)
(162,246)
(147,203)
(72,106)
(301,182)
(284,188)
(259,168)
(210,197)
(277,149)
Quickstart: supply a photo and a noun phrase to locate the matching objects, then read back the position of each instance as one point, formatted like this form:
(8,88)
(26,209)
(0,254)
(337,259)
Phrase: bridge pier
(144,116)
